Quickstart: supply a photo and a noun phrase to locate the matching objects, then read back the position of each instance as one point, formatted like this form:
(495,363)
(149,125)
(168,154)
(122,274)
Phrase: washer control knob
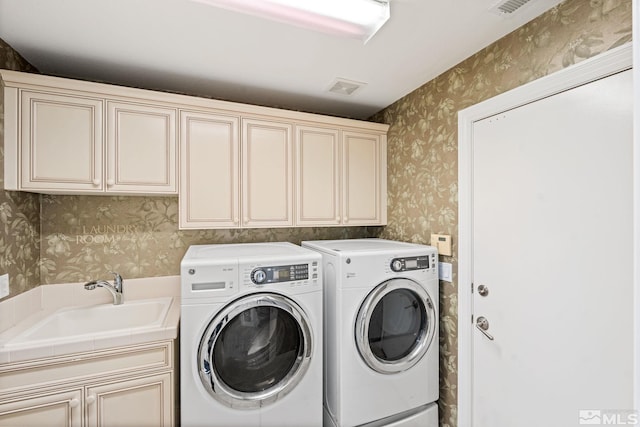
(258,276)
(396,265)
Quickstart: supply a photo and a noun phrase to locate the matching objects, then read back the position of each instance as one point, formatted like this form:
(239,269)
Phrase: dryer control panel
(293,275)
(410,263)
(280,273)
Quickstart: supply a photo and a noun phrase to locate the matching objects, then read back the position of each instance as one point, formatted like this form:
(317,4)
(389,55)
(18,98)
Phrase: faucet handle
(117,280)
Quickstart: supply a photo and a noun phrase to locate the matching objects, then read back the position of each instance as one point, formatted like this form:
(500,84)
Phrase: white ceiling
(189,47)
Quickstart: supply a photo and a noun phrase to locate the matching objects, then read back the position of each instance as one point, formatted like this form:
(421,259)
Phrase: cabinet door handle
(74,403)
(91,399)
(110,182)
(95,182)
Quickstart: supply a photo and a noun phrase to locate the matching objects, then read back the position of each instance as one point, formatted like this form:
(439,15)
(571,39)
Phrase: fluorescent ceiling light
(359,19)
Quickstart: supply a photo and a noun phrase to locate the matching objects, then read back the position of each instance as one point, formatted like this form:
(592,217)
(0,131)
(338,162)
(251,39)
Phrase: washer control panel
(281,273)
(410,263)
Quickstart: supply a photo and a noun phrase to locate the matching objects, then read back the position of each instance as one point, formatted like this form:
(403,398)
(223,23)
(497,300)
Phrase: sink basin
(94,321)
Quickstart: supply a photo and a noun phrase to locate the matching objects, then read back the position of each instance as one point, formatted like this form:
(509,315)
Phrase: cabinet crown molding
(39,82)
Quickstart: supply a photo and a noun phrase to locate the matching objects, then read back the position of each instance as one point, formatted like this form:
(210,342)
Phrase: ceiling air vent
(507,7)
(345,87)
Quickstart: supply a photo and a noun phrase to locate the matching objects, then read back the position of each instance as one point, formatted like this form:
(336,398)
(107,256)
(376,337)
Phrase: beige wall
(423,188)
(19,212)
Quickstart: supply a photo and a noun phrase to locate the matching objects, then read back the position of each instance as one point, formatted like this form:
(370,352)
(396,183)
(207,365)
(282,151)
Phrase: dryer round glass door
(395,326)
(255,350)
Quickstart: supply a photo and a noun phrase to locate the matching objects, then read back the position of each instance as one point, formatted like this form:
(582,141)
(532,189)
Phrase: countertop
(20,313)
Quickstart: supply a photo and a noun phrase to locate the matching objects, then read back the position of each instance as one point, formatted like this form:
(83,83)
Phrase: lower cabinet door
(140,402)
(62,408)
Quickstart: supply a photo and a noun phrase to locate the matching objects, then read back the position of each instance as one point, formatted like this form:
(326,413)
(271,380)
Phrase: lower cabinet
(144,401)
(61,409)
(100,399)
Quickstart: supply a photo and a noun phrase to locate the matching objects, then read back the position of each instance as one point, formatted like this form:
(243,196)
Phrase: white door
(552,244)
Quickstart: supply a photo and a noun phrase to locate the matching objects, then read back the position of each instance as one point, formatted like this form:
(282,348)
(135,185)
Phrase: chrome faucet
(115,289)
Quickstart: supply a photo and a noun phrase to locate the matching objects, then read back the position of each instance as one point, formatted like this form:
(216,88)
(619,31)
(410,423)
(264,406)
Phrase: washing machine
(251,336)
(381,333)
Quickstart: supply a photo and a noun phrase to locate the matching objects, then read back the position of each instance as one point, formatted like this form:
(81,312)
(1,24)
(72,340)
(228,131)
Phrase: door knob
(483,290)
(483,324)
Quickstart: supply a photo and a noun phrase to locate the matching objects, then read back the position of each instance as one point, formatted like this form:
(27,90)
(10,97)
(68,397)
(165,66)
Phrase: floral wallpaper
(422,153)
(85,236)
(19,212)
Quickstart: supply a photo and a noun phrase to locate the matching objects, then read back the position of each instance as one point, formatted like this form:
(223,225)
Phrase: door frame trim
(636,204)
(603,65)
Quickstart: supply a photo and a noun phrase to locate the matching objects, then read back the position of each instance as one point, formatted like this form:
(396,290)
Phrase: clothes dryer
(251,336)
(381,333)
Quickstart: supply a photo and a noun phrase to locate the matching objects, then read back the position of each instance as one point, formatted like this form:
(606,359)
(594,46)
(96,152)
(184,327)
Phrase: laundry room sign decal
(100,234)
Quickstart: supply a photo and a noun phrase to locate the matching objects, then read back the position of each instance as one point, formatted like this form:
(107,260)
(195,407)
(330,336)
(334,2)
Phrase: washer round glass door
(395,326)
(255,350)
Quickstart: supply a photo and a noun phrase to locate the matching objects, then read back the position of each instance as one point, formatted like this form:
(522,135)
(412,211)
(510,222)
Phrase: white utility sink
(94,321)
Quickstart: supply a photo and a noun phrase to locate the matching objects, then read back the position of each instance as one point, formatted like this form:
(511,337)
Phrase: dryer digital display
(281,273)
(410,263)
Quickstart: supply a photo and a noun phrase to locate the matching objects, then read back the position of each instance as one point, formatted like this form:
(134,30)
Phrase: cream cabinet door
(137,402)
(210,171)
(62,143)
(60,409)
(267,174)
(364,179)
(141,149)
(317,176)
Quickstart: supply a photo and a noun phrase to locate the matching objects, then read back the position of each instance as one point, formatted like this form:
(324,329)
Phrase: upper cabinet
(341,177)
(267,173)
(364,165)
(318,176)
(209,170)
(62,143)
(72,137)
(141,149)
(232,165)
